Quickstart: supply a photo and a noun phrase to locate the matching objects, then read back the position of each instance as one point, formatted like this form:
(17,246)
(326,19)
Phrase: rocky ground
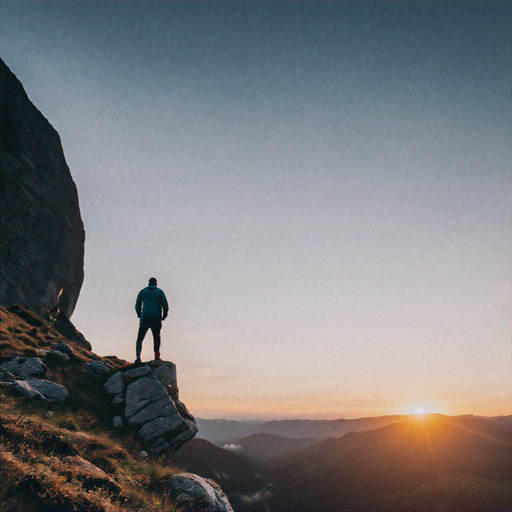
(60,448)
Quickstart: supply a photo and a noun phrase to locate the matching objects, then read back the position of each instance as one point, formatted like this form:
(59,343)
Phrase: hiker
(151,307)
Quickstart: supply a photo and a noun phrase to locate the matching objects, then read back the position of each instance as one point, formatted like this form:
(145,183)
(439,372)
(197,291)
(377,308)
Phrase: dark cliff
(42,248)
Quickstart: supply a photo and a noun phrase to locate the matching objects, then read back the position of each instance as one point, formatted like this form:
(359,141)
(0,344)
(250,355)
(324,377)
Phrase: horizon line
(246,420)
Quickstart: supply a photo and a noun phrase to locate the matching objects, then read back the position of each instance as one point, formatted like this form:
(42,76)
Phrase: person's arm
(138,304)
(165,306)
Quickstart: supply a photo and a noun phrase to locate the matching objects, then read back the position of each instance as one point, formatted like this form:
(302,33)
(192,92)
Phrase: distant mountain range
(228,431)
(434,463)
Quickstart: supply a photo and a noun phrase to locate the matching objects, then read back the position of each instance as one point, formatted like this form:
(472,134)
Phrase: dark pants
(155,326)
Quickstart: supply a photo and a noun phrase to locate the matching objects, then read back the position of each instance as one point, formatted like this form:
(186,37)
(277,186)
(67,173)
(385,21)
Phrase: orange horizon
(273,413)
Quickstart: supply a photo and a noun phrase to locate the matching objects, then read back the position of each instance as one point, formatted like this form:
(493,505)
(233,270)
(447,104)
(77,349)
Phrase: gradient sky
(323,190)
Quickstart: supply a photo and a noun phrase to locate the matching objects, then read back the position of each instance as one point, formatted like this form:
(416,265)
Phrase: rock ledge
(147,400)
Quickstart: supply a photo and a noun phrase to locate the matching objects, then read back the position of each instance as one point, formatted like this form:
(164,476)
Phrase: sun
(422,409)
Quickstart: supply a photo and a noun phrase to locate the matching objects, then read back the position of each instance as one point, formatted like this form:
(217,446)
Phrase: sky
(322,189)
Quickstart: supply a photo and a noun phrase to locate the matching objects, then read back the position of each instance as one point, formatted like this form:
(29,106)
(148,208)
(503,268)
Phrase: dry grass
(23,332)
(45,465)
(67,458)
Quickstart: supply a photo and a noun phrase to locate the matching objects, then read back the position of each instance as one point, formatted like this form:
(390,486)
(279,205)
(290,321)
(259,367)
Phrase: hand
(164,316)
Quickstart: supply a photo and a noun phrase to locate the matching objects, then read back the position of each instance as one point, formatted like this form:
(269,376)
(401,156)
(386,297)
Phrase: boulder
(192,493)
(64,348)
(115,384)
(52,392)
(25,367)
(45,390)
(24,389)
(57,356)
(97,369)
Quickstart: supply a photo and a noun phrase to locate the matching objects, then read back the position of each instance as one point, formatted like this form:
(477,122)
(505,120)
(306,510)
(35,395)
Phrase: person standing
(151,307)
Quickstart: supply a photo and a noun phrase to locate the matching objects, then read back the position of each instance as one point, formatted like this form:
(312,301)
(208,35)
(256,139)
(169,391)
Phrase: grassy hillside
(68,457)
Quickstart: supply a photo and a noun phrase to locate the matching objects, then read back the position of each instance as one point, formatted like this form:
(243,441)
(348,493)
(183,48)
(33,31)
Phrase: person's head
(152,281)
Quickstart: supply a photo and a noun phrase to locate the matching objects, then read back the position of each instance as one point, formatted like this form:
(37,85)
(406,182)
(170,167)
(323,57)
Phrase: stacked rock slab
(148,399)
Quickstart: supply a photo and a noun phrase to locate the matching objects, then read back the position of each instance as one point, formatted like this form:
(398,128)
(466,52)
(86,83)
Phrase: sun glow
(422,409)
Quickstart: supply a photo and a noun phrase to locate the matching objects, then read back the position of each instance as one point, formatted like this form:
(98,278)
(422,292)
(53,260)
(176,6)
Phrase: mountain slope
(60,457)
(263,446)
(66,456)
(246,484)
(434,457)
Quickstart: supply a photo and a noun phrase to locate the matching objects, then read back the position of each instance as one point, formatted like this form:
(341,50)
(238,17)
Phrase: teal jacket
(151,304)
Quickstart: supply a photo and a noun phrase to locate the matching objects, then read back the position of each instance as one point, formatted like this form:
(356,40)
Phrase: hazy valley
(431,462)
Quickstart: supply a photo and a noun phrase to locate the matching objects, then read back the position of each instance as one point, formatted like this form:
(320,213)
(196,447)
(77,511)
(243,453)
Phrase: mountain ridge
(224,431)
(361,469)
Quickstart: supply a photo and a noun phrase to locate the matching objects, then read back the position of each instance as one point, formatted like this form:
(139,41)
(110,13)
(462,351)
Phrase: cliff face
(42,247)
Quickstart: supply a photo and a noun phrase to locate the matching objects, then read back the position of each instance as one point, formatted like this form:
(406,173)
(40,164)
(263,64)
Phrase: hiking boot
(138,361)
(157,357)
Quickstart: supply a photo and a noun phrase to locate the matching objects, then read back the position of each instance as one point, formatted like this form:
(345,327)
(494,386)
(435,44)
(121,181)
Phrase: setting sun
(423,408)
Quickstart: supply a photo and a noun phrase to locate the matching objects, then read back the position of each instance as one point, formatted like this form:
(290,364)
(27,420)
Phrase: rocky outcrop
(86,468)
(42,245)
(147,399)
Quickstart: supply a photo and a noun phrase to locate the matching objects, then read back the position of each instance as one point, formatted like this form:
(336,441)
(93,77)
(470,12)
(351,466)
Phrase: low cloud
(233,447)
(258,496)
